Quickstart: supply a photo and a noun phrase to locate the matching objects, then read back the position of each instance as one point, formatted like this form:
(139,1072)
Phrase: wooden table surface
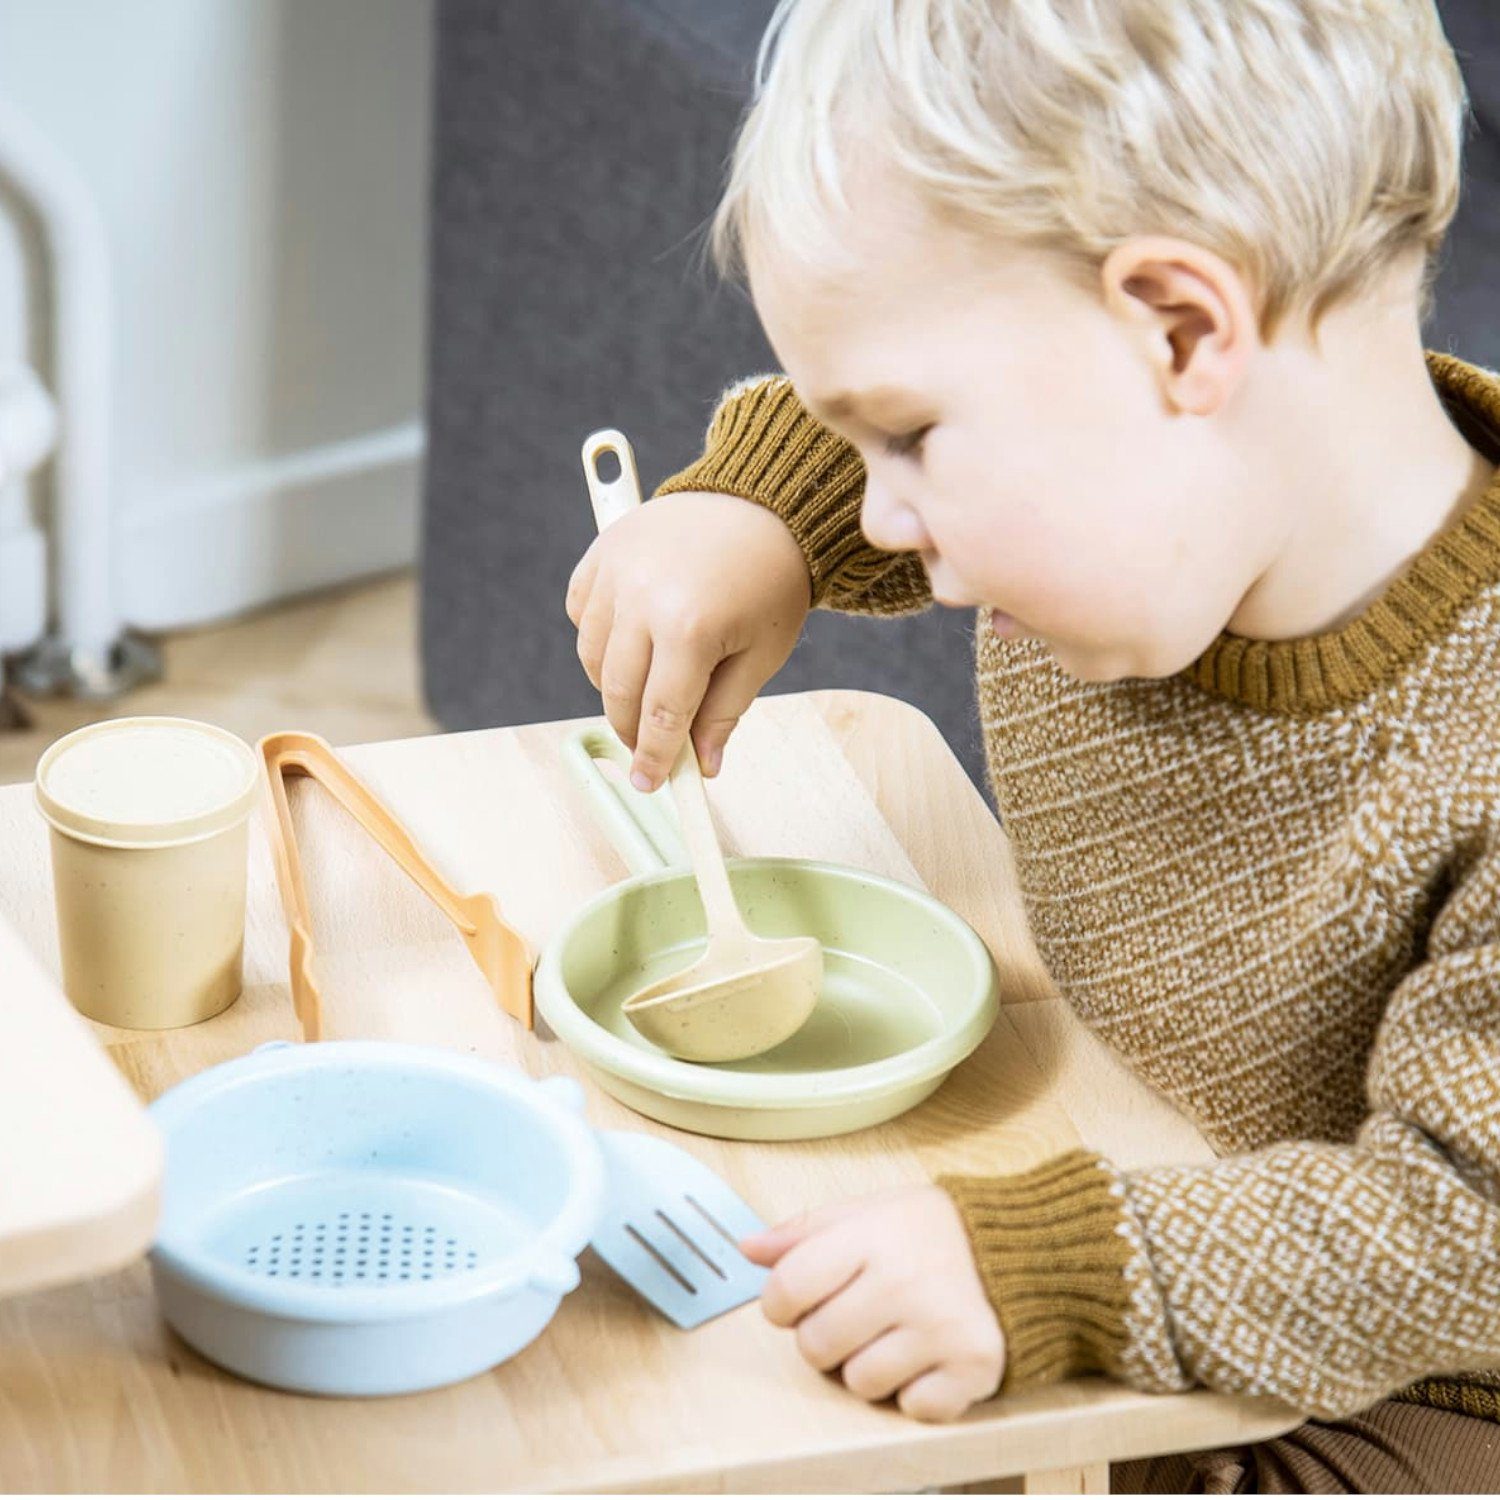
(96,1394)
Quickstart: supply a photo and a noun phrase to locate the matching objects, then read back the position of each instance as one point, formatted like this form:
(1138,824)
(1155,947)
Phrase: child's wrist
(1053,1261)
(765,448)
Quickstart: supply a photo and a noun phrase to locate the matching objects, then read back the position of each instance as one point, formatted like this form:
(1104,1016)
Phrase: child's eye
(907,444)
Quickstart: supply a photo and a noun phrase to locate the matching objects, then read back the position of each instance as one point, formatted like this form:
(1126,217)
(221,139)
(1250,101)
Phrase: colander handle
(556,1276)
(639,824)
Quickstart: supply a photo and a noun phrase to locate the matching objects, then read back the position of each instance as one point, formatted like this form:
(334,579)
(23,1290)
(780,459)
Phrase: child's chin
(1097,665)
(1115,663)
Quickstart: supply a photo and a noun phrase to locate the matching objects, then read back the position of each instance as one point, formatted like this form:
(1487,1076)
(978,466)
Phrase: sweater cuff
(763,446)
(1051,1248)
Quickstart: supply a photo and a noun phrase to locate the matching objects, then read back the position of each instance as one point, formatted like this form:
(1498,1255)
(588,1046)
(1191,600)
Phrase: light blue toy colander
(364,1218)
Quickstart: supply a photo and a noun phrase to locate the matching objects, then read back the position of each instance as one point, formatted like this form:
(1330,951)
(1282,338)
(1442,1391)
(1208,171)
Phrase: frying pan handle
(636,823)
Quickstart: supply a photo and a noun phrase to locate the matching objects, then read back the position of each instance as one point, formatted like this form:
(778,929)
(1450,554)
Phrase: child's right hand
(685,609)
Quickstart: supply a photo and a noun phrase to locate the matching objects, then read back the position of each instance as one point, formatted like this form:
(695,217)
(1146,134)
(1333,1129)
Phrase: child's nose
(890,523)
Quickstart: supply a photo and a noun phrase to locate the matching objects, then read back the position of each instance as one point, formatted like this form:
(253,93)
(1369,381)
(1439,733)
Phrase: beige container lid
(141,782)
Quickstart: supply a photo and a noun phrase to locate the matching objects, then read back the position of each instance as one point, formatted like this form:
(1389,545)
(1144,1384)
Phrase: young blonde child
(1105,318)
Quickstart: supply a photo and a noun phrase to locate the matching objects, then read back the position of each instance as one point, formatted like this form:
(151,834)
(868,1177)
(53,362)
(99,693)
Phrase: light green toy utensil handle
(638,824)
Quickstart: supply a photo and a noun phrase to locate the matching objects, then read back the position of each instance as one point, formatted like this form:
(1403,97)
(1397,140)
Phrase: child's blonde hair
(1311,143)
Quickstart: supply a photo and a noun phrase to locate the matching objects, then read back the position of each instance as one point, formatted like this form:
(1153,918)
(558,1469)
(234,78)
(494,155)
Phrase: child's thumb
(767,1246)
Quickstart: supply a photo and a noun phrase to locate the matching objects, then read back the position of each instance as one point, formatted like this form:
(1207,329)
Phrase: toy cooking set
(364,1218)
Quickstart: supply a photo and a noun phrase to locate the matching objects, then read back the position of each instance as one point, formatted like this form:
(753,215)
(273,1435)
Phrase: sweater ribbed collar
(1319,672)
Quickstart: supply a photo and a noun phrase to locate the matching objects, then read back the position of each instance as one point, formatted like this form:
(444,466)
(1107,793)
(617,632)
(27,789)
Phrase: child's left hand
(887,1287)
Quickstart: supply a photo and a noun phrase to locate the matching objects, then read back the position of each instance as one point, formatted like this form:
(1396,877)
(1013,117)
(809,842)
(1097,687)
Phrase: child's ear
(1192,314)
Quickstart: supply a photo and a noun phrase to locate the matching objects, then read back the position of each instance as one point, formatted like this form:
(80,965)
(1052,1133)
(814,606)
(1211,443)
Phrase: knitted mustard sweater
(1273,884)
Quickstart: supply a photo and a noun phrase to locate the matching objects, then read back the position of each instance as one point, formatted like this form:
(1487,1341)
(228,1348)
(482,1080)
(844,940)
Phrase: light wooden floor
(342,664)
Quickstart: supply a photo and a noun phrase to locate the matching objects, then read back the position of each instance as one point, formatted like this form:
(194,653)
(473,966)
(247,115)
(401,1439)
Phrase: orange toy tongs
(501,952)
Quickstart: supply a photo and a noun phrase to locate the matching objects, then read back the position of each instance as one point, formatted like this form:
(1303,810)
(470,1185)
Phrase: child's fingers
(769,1245)
(731,690)
(622,679)
(808,1275)
(847,1322)
(593,633)
(940,1395)
(581,584)
(887,1363)
(674,689)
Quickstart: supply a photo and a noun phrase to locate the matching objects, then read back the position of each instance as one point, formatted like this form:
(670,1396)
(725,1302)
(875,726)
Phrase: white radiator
(230,200)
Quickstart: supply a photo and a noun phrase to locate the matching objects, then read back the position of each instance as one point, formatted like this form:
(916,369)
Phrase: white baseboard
(272,530)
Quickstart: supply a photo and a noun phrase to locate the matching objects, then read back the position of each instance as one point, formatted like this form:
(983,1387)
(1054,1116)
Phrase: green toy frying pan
(909,990)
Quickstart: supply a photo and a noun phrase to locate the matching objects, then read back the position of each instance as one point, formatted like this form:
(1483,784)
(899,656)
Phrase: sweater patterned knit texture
(1272,883)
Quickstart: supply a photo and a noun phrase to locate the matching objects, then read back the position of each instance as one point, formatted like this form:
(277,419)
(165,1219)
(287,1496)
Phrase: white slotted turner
(669,1230)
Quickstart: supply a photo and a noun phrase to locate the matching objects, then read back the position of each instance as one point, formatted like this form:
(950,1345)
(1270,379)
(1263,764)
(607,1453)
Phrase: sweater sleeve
(1328,1274)
(764,446)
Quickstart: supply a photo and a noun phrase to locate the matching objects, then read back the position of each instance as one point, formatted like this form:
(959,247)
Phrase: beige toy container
(149,822)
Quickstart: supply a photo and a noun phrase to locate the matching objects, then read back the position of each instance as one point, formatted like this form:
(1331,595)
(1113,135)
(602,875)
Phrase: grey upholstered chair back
(579,148)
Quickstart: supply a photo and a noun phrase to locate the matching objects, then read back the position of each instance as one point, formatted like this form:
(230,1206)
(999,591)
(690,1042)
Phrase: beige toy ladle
(745,994)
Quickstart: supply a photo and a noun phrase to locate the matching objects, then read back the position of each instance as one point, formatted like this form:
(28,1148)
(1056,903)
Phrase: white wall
(261,167)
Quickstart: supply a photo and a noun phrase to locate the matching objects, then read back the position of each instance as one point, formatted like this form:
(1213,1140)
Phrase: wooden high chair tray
(98,1396)
(80,1163)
